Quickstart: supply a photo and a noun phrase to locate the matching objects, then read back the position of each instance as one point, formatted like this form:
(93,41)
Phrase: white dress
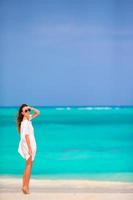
(26,128)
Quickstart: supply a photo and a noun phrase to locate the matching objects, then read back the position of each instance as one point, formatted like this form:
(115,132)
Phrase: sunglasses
(27,110)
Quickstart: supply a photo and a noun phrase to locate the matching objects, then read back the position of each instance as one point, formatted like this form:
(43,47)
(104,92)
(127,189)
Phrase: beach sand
(10,188)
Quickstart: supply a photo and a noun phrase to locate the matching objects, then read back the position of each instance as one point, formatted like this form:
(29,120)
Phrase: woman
(27,144)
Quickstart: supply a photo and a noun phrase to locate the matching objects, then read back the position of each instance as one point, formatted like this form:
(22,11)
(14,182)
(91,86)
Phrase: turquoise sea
(72,143)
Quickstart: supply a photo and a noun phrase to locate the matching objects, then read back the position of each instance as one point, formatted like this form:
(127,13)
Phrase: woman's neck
(25,118)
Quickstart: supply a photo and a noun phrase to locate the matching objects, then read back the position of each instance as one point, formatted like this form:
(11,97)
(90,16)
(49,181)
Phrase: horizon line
(72,106)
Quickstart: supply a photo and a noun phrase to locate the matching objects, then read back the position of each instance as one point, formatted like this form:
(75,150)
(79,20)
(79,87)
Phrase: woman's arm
(36,112)
(28,144)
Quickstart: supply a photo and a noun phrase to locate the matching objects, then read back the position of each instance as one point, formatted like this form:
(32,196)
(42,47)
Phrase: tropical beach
(66,189)
(66,100)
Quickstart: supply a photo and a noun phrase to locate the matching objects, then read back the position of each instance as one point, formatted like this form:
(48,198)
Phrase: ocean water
(72,143)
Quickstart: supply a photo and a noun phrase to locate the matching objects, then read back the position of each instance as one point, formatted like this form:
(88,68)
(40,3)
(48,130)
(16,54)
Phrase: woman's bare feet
(25,190)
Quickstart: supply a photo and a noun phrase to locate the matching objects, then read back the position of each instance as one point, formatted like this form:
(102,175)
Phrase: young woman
(27,144)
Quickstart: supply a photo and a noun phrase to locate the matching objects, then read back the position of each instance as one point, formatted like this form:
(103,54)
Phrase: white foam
(103,108)
(60,108)
(68,108)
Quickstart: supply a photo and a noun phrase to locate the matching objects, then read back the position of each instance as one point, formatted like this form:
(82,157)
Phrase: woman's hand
(30,152)
(30,108)
(28,144)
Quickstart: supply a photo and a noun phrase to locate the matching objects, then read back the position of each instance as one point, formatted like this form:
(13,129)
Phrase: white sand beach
(10,188)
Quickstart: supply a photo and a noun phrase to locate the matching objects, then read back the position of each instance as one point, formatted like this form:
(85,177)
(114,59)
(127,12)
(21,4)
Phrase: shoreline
(105,177)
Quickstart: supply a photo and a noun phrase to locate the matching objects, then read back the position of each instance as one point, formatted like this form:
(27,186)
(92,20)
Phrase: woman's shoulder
(24,125)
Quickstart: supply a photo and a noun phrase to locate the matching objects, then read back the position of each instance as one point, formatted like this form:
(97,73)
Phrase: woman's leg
(27,173)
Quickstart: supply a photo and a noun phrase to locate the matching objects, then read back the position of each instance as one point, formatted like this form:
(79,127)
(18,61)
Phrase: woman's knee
(29,161)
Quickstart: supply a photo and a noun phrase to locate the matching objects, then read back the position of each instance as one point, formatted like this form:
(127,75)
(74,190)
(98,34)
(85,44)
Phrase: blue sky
(66,52)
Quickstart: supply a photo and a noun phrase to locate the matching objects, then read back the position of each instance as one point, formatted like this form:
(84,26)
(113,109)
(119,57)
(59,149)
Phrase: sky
(66,52)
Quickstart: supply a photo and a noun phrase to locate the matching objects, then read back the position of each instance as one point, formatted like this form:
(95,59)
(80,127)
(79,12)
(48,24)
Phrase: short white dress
(26,128)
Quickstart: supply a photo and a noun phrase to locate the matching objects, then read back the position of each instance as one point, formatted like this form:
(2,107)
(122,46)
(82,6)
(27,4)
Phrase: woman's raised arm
(36,112)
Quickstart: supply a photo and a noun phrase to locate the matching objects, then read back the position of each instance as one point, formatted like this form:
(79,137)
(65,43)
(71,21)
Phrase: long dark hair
(20,116)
